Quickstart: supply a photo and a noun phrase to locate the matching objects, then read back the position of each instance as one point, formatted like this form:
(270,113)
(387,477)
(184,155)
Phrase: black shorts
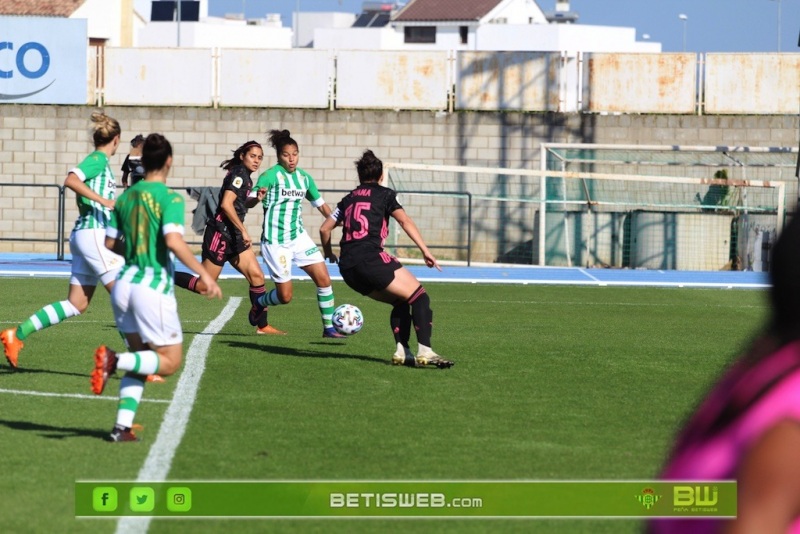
(219,247)
(373,274)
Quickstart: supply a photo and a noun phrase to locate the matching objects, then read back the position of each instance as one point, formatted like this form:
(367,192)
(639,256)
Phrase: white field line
(159,460)
(69,395)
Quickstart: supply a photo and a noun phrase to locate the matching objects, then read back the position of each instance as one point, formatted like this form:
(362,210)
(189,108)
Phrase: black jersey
(237,180)
(364,214)
(132,166)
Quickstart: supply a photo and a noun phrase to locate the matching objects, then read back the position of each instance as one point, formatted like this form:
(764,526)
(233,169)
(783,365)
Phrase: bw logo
(648,498)
(695,495)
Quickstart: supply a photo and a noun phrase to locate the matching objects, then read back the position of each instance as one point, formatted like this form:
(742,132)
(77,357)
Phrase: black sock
(186,281)
(400,321)
(255,293)
(422,315)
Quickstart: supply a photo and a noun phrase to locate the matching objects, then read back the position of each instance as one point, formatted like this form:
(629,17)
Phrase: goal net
(590,214)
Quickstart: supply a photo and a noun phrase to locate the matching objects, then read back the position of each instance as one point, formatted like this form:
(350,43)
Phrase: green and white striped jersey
(142,216)
(283,203)
(95,172)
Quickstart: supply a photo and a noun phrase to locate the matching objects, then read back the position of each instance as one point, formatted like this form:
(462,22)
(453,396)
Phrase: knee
(80,307)
(169,362)
(285,296)
(255,277)
(167,368)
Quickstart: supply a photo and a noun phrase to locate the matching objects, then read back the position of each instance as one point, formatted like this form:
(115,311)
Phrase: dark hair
(279,139)
(155,152)
(238,154)
(105,129)
(785,278)
(369,167)
(137,141)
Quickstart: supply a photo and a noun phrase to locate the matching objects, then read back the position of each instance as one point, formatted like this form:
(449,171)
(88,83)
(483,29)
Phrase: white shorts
(91,260)
(147,312)
(279,258)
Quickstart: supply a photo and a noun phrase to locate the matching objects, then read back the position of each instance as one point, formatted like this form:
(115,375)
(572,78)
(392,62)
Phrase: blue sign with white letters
(43,60)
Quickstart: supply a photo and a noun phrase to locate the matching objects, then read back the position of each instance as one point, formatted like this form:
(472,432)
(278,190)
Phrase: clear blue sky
(712,25)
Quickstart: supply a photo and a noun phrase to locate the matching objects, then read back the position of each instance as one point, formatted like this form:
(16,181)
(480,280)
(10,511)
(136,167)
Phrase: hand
(332,258)
(262,192)
(108,203)
(212,289)
(246,238)
(431,262)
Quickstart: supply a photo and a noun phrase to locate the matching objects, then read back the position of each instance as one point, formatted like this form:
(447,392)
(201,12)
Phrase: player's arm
(267,180)
(313,195)
(178,246)
(115,244)
(325,210)
(254,198)
(113,236)
(325,238)
(228,198)
(256,195)
(408,226)
(76,184)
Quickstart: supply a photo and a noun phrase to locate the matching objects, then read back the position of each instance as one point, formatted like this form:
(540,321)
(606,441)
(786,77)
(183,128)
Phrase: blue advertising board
(43,60)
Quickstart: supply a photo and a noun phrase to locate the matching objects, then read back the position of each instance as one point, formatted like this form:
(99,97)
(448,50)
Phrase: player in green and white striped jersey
(95,191)
(284,239)
(147,225)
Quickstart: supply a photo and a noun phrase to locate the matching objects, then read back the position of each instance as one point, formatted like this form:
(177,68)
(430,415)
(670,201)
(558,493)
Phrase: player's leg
(146,361)
(91,262)
(51,314)
(310,259)
(325,301)
(192,282)
(214,256)
(278,259)
(405,288)
(400,322)
(247,264)
(155,340)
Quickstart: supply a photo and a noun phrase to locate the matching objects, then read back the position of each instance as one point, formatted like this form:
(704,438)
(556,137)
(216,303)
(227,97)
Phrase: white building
(305,24)
(491,25)
(494,25)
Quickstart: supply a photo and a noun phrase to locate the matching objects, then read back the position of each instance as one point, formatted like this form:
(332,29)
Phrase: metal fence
(29,218)
(519,216)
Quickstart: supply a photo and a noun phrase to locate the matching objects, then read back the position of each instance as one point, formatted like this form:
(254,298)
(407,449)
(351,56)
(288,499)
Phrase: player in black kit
(365,267)
(226,238)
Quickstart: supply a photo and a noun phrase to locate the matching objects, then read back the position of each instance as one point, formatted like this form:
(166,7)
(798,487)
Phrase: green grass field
(549,383)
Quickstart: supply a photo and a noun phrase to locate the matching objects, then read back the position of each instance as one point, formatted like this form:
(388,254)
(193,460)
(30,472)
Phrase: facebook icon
(104,499)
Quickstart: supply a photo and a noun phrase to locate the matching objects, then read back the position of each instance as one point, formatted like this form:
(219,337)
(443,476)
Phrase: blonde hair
(105,129)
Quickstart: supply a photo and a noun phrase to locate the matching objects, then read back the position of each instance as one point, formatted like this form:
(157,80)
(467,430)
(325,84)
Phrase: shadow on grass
(300,353)
(22,370)
(53,432)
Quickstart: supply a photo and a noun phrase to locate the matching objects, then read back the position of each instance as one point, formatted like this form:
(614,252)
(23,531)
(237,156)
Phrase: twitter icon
(143,499)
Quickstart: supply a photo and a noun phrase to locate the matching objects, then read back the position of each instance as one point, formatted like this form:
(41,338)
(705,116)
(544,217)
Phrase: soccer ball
(347,319)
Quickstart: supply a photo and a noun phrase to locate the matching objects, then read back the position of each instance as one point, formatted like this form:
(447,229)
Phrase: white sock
(143,362)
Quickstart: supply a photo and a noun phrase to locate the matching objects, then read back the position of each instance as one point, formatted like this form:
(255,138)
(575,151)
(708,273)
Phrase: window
(464,32)
(420,34)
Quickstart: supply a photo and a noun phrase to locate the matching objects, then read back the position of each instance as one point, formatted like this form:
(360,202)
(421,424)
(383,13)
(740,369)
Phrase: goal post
(579,218)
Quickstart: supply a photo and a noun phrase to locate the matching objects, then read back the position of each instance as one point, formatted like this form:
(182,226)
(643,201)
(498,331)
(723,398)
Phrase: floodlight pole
(297,24)
(684,18)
